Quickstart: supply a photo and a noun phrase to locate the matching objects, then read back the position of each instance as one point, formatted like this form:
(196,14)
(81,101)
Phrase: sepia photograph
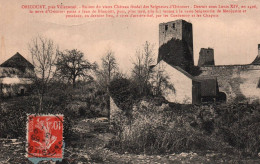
(129,81)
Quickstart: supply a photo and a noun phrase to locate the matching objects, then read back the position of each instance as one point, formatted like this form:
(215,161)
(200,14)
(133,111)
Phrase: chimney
(206,57)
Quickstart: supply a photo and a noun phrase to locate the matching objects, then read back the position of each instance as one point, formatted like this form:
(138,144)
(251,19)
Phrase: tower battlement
(178,29)
(206,57)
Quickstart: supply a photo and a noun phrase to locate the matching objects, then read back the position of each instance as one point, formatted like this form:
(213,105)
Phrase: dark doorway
(222,97)
(22,92)
(208,99)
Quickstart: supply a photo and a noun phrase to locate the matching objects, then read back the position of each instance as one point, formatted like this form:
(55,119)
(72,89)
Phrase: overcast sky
(233,37)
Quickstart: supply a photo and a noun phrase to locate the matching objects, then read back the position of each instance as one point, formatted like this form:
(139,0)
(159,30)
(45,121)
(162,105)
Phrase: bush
(239,125)
(13,123)
(154,131)
(124,92)
(168,128)
(85,101)
(14,115)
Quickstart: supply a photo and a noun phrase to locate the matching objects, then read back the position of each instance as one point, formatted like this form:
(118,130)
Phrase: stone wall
(114,110)
(170,30)
(176,44)
(206,57)
(176,53)
(238,82)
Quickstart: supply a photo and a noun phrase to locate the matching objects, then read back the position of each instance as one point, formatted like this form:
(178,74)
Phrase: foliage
(239,125)
(175,128)
(195,71)
(14,115)
(123,91)
(71,66)
(154,131)
(85,101)
(107,72)
(12,124)
(160,81)
(180,54)
(141,70)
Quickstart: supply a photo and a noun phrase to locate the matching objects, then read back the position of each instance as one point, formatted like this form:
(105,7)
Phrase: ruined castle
(207,81)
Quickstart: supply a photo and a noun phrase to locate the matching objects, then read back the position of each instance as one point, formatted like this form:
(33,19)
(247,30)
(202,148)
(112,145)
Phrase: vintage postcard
(129,81)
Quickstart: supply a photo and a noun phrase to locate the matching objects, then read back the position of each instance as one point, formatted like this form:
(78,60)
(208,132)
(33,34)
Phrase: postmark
(45,136)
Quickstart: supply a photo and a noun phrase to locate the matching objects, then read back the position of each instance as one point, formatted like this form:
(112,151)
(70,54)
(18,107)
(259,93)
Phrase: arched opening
(22,92)
(222,97)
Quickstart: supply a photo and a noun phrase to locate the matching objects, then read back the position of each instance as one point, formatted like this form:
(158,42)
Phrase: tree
(123,91)
(44,55)
(160,81)
(71,65)
(108,70)
(141,71)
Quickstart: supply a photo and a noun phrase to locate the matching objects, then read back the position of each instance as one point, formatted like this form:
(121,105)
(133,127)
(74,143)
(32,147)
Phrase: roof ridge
(17,55)
(182,71)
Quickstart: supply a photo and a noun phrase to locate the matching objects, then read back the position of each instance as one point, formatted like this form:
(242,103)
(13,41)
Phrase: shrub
(81,102)
(14,115)
(239,125)
(232,128)
(153,130)
(124,93)
(13,123)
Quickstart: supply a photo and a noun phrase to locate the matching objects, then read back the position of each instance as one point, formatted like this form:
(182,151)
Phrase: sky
(234,37)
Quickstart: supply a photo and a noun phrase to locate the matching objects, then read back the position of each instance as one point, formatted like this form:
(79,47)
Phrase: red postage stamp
(45,136)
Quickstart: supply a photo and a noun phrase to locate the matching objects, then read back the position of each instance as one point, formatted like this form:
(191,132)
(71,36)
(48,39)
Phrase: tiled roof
(17,61)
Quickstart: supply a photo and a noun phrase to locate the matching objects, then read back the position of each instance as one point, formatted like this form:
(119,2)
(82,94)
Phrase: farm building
(15,76)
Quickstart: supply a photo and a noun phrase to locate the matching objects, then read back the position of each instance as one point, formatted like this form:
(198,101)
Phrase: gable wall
(182,92)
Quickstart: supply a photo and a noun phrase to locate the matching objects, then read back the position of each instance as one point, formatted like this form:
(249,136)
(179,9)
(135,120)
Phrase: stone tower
(176,44)
(206,57)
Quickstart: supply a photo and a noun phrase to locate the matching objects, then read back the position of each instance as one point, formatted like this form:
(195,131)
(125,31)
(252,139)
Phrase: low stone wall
(238,82)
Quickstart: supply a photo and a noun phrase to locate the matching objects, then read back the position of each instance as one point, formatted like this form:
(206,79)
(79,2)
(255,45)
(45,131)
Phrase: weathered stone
(238,82)
(206,57)
(176,44)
